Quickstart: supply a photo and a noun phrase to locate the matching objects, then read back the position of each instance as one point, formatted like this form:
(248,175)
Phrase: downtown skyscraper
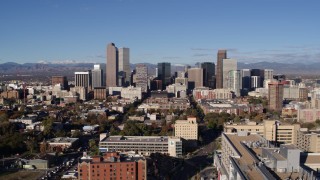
(97,78)
(164,73)
(222,54)
(141,75)
(112,66)
(124,66)
(227,66)
(208,74)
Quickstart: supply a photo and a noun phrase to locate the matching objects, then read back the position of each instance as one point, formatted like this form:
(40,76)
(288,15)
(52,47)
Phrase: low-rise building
(131,93)
(165,104)
(112,165)
(144,145)
(272,130)
(215,94)
(24,120)
(62,143)
(308,141)
(213,106)
(308,115)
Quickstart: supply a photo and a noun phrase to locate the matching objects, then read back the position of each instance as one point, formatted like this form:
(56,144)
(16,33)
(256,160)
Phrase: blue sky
(177,31)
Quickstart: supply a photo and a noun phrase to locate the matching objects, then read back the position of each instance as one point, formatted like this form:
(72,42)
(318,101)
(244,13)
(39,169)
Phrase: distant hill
(69,69)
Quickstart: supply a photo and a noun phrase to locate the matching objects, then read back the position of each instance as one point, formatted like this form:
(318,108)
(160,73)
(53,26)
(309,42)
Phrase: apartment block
(206,93)
(186,129)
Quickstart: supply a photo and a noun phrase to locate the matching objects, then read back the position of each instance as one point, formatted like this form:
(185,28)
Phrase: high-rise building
(62,80)
(124,64)
(164,73)
(222,54)
(255,82)
(234,81)
(112,166)
(227,66)
(195,78)
(268,74)
(141,77)
(83,79)
(260,73)
(97,75)
(208,74)
(246,78)
(100,93)
(275,96)
(112,66)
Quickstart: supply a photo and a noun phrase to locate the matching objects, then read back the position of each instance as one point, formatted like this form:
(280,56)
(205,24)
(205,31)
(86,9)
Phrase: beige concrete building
(195,78)
(308,141)
(272,130)
(186,129)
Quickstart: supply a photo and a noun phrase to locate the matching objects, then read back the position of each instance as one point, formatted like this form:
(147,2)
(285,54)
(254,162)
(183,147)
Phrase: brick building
(113,166)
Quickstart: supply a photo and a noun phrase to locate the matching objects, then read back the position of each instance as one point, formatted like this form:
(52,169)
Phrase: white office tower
(97,75)
(234,81)
(268,74)
(124,64)
(227,66)
(83,79)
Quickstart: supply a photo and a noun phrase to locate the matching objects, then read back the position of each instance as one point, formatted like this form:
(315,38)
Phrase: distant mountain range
(69,69)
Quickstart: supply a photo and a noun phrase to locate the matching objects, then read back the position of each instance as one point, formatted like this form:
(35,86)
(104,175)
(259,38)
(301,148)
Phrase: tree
(3,117)
(31,144)
(48,126)
(43,147)
(94,150)
(76,134)
(114,131)
(212,124)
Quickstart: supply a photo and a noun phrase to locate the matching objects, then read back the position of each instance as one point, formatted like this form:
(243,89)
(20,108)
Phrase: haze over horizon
(180,32)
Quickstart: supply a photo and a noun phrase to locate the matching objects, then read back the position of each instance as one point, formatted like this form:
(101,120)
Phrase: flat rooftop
(246,161)
(310,158)
(136,139)
(273,152)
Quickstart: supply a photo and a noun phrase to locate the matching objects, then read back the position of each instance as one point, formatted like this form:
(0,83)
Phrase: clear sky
(176,31)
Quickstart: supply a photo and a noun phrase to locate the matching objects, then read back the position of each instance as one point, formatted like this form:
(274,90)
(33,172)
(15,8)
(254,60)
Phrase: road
(200,159)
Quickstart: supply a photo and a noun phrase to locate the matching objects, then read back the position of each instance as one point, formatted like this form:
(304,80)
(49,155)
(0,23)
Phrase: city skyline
(188,32)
